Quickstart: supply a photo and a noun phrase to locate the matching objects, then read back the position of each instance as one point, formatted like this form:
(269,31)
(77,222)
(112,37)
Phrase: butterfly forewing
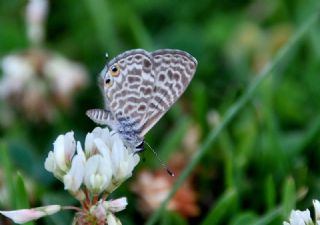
(173,71)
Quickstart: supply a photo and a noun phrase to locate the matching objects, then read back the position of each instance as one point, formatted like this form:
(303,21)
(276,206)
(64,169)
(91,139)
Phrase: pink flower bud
(117,204)
(26,215)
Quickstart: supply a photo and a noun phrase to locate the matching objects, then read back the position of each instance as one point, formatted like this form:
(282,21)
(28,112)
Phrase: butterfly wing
(128,91)
(173,69)
(102,116)
(139,87)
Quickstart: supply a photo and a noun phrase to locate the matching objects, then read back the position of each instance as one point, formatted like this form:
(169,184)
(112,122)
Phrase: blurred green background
(262,165)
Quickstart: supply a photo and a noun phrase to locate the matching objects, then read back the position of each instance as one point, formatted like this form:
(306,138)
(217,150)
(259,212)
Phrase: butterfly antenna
(169,171)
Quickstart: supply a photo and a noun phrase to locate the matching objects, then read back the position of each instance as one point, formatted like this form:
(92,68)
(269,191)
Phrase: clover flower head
(90,175)
(103,166)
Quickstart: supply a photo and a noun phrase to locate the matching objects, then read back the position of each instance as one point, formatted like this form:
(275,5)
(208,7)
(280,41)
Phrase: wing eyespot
(114,70)
(108,82)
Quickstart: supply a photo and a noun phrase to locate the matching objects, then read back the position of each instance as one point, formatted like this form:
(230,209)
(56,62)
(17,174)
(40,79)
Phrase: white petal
(102,148)
(98,174)
(298,217)
(64,149)
(117,156)
(126,166)
(80,152)
(306,216)
(58,150)
(89,145)
(91,168)
(97,132)
(123,171)
(136,159)
(50,164)
(316,205)
(73,179)
(69,145)
(106,137)
(111,219)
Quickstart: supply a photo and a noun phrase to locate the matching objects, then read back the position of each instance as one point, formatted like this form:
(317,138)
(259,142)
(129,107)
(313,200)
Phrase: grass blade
(269,217)
(22,201)
(8,173)
(222,208)
(289,196)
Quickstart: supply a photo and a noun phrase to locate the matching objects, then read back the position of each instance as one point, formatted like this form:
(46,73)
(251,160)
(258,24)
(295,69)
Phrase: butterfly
(139,87)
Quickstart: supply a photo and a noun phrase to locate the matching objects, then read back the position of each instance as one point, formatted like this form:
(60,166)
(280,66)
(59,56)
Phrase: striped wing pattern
(131,90)
(174,69)
(142,90)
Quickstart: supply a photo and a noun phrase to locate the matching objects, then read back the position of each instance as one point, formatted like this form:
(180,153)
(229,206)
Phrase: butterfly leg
(101,116)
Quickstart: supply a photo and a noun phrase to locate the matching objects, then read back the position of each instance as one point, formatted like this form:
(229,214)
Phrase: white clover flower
(91,175)
(74,178)
(298,217)
(105,164)
(59,160)
(98,174)
(109,145)
(123,160)
(98,133)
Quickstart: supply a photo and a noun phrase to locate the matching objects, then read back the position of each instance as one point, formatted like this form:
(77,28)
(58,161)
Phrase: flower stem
(95,199)
(71,208)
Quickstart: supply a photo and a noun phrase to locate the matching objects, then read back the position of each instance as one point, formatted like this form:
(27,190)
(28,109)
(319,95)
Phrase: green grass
(232,112)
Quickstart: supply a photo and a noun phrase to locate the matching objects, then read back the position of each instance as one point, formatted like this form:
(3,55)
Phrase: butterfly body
(139,87)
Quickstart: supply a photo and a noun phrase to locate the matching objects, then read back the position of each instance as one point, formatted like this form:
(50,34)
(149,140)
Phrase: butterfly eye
(114,70)
(108,82)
